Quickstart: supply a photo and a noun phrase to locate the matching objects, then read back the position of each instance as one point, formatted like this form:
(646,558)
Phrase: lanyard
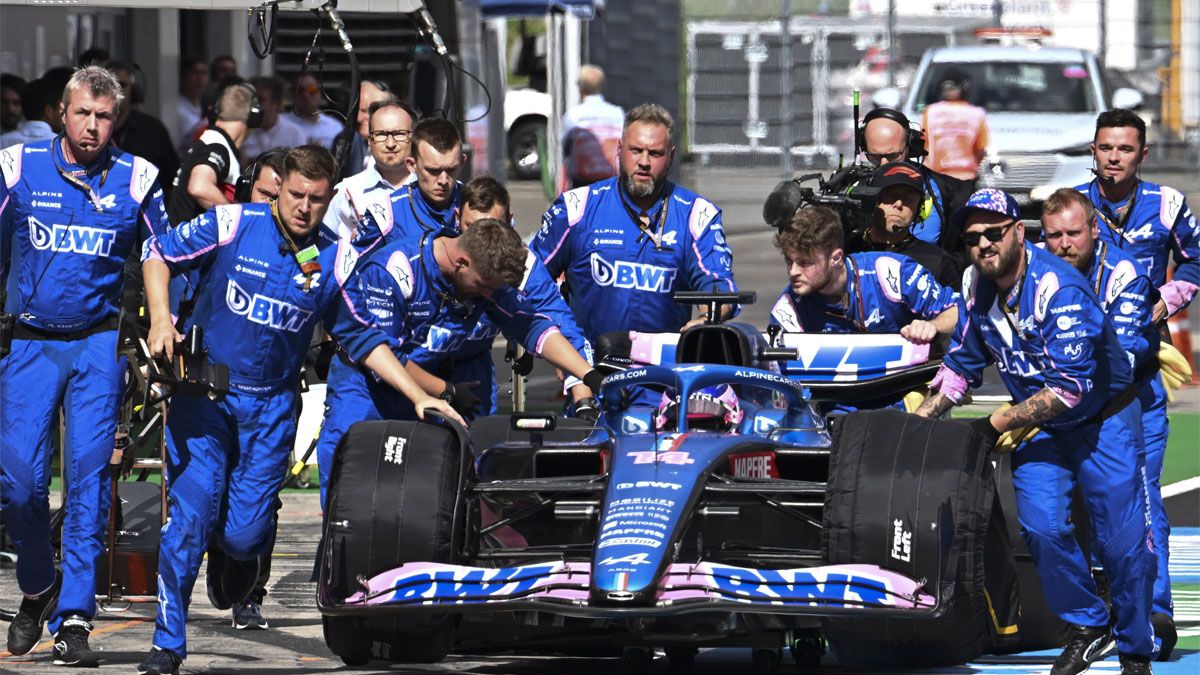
(306,258)
(74,180)
(1120,225)
(1098,263)
(412,205)
(651,233)
(1017,290)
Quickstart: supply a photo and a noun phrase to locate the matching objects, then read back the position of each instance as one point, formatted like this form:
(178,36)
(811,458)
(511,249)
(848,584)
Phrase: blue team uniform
(74,228)
(1153,225)
(1128,298)
(227,459)
(1051,332)
(400,298)
(407,214)
(620,278)
(885,292)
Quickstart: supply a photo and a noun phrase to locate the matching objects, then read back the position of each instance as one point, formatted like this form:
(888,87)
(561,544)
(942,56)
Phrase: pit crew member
(1151,222)
(626,243)
(78,207)
(266,280)
(1039,321)
(1070,230)
(427,293)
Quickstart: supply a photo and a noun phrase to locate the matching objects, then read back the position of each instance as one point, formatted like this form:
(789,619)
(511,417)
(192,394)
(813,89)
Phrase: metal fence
(753,89)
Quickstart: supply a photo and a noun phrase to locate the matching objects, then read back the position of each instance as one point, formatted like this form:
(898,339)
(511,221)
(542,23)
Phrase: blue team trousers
(226,465)
(1154,430)
(1107,461)
(85,377)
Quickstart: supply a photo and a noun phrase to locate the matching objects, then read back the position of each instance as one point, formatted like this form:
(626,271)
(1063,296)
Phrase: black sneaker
(71,644)
(248,616)
(1135,665)
(213,575)
(1087,644)
(26,627)
(160,662)
(1164,630)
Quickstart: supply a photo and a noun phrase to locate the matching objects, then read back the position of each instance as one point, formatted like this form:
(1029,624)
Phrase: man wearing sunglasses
(1038,320)
(1069,228)
(319,128)
(390,127)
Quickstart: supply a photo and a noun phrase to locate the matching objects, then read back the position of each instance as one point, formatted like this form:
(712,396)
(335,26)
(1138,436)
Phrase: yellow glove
(913,400)
(1176,370)
(1013,438)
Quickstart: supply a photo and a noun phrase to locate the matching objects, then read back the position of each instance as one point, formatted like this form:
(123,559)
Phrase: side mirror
(1127,98)
(888,97)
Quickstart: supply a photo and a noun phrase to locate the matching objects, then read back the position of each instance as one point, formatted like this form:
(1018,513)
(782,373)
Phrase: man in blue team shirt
(1039,321)
(1069,228)
(423,297)
(626,244)
(78,207)
(1150,222)
(266,280)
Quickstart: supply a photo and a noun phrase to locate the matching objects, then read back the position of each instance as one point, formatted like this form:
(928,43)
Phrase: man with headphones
(900,208)
(208,174)
(885,136)
(137,132)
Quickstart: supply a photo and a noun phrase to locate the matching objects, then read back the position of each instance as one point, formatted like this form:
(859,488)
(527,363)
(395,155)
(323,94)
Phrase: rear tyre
(897,484)
(766,660)
(523,149)
(394,497)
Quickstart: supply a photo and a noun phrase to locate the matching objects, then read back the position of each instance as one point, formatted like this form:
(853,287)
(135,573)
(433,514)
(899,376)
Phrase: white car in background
(1041,104)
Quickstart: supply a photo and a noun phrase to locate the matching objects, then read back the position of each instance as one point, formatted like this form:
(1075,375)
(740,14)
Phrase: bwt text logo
(639,276)
(263,310)
(71,238)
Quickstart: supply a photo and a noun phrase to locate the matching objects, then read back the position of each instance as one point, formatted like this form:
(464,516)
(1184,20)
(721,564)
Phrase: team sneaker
(1086,645)
(26,627)
(1135,665)
(71,644)
(1164,630)
(160,662)
(248,616)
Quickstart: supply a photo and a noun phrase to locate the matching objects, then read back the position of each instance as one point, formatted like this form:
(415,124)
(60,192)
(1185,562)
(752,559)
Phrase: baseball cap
(988,199)
(898,173)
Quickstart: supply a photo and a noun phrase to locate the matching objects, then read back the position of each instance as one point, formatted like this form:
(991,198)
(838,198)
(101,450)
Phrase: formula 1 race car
(747,520)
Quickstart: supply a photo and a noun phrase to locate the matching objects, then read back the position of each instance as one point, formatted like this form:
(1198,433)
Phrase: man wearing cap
(899,207)
(956,132)
(1070,231)
(1040,323)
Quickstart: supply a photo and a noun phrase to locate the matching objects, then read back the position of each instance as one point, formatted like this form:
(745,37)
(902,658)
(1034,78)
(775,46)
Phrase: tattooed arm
(1033,411)
(935,405)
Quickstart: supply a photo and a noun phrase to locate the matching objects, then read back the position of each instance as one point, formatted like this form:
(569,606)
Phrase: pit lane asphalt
(294,643)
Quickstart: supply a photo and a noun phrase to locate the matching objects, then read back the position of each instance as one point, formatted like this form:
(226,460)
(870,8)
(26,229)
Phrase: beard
(1080,260)
(1000,264)
(636,188)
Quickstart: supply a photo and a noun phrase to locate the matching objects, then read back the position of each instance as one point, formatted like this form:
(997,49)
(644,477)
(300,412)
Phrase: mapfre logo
(71,238)
(263,310)
(639,276)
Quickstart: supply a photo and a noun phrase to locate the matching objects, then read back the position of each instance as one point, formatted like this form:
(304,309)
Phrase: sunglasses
(310,89)
(993,234)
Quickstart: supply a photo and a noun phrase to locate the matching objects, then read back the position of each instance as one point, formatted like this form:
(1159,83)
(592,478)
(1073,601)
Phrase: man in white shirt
(591,132)
(193,78)
(39,105)
(319,128)
(278,131)
(389,134)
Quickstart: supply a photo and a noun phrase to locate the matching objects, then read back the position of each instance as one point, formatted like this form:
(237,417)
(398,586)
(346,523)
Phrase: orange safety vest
(956,137)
